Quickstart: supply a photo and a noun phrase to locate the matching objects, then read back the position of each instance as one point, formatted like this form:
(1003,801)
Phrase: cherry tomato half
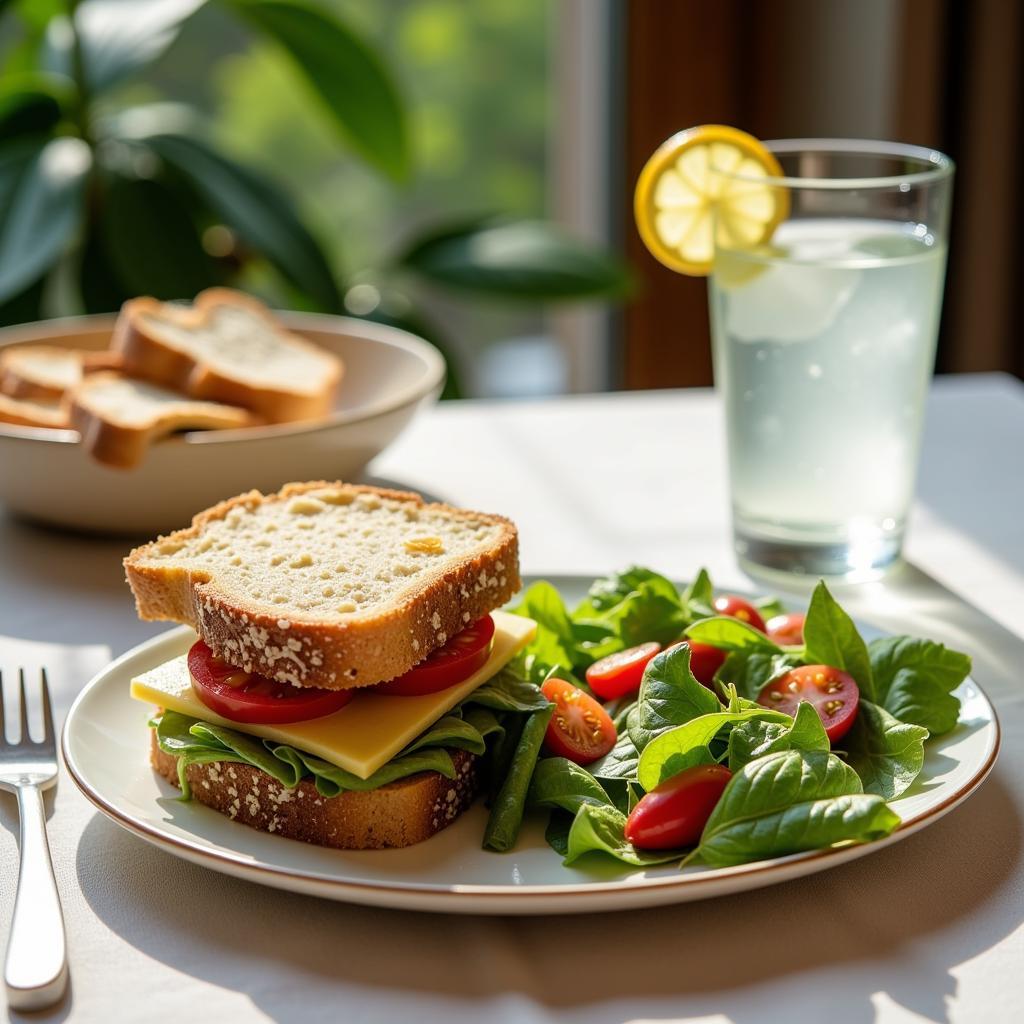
(250,697)
(787,630)
(705,661)
(738,608)
(674,813)
(463,655)
(580,729)
(621,673)
(833,693)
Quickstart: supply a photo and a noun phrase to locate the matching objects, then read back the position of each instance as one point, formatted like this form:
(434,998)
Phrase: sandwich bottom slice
(384,771)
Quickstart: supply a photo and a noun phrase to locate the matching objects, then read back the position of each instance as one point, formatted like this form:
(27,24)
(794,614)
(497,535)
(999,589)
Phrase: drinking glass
(824,344)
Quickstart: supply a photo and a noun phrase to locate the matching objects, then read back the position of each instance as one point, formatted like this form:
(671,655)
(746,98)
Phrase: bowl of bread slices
(124,424)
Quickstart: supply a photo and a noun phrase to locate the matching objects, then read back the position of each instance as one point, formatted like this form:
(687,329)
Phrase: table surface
(930,929)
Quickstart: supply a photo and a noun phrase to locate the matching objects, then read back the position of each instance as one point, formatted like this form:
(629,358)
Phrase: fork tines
(25,737)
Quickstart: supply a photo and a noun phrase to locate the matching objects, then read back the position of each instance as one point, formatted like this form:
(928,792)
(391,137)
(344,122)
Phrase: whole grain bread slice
(46,372)
(328,584)
(119,418)
(398,814)
(227,347)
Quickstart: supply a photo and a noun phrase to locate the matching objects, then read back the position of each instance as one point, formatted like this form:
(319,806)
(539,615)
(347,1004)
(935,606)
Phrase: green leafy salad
(746,741)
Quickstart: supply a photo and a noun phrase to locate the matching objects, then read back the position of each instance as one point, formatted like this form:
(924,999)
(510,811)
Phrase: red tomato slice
(621,673)
(705,661)
(674,813)
(463,655)
(738,608)
(580,729)
(833,693)
(249,697)
(787,630)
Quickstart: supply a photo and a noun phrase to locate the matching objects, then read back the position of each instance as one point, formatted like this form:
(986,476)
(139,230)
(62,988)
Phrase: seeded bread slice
(328,584)
(46,372)
(398,814)
(227,347)
(25,412)
(119,418)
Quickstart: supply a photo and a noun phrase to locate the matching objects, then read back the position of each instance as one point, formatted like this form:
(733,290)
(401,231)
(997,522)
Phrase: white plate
(105,744)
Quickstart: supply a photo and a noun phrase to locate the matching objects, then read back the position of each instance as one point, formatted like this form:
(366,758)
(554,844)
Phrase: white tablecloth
(930,929)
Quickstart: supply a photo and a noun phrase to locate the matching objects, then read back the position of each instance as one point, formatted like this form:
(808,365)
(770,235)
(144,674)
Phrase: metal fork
(36,969)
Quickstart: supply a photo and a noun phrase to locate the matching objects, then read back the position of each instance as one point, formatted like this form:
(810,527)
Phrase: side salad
(689,726)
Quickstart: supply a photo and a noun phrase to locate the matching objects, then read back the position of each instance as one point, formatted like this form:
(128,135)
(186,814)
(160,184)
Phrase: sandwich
(348,684)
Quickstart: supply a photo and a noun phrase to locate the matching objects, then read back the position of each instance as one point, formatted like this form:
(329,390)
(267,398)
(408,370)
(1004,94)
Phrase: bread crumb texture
(380,580)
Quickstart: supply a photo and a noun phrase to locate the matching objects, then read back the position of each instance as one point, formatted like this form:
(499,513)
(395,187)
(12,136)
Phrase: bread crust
(148,357)
(398,814)
(30,413)
(19,382)
(359,651)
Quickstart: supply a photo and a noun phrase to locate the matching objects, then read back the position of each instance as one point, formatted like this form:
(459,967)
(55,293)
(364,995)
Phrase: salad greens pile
(789,791)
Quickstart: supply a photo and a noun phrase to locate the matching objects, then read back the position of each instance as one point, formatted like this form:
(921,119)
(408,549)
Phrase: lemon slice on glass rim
(682,207)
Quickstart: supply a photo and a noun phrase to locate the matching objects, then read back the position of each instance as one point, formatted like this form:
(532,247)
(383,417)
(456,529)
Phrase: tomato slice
(580,729)
(705,661)
(833,693)
(249,697)
(675,812)
(621,673)
(739,608)
(463,655)
(787,630)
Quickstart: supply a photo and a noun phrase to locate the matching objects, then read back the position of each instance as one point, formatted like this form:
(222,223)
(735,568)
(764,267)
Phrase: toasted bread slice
(227,347)
(46,372)
(32,413)
(398,814)
(119,418)
(328,584)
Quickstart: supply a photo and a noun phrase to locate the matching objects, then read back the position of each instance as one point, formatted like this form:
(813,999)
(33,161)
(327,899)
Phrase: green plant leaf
(730,634)
(117,37)
(886,753)
(789,802)
(257,211)
(554,645)
(753,739)
(519,260)
(831,638)
(44,188)
(601,829)
(354,83)
(699,596)
(151,242)
(558,782)
(752,669)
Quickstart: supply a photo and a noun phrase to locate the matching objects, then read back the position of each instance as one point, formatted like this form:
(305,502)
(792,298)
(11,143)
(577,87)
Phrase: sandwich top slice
(350,676)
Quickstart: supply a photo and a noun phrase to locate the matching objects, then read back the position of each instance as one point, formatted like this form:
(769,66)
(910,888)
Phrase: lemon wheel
(683,208)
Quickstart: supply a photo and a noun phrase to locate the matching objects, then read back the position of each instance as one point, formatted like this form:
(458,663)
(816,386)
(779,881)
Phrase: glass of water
(824,345)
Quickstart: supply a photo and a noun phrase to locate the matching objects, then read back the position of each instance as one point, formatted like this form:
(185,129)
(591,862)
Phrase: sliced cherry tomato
(463,655)
(674,813)
(787,630)
(705,661)
(738,608)
(833,693)
(249,697)
(620,674)
(580,729)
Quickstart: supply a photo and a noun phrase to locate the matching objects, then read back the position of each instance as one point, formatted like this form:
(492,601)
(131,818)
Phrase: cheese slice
(368,731)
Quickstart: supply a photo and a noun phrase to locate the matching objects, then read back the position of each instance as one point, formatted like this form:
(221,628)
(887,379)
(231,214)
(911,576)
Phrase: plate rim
(465,894)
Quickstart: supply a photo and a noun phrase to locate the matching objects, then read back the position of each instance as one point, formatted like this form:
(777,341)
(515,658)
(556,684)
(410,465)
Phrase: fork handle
(36,969)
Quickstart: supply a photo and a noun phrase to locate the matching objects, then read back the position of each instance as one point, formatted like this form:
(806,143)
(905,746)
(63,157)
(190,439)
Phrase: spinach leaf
(789,802)
(913,680)
(507,811)
(634,606)
(451,731)
(250,750)
(508,692)
(331,780)
(831,638)
(559,782)
(886,753)
(700,593)
(769,607)
(602,829)
(686,745)
(608,591)
(557,832)
(621,761)
(753,669)
(554,644)
(730,634)
(755,738)
(669,696)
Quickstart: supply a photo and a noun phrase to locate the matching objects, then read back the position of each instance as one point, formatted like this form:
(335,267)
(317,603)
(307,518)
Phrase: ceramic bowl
(46,475)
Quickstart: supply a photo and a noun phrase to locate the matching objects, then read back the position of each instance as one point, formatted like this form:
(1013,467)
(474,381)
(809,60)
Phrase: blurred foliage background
(338,155)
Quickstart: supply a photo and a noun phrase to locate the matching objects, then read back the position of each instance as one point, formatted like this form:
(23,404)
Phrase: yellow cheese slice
(368,731)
